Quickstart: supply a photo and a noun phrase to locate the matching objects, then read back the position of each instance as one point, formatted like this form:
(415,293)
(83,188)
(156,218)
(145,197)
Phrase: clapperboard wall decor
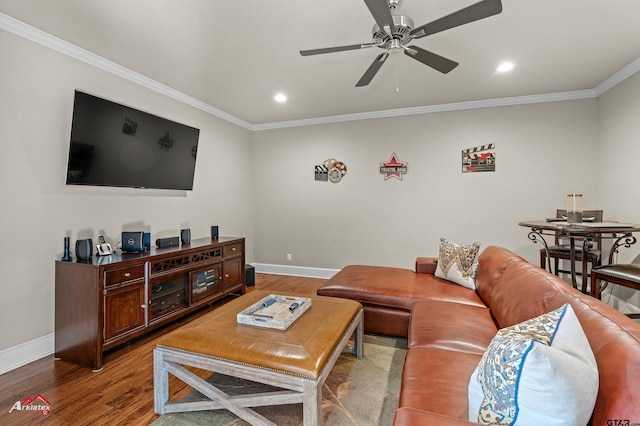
(321,173)
(479,159)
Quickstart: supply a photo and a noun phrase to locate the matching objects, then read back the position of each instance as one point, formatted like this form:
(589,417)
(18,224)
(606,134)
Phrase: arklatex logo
(37,403)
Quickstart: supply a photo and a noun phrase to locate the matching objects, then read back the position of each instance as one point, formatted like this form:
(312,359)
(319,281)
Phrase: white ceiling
(236,55)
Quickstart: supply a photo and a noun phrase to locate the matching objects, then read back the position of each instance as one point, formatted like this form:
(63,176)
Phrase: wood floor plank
(119,394)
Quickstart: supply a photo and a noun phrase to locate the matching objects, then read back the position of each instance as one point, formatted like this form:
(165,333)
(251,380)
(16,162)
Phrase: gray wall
(37,210)
(543,151)
(260,185)
(617,170)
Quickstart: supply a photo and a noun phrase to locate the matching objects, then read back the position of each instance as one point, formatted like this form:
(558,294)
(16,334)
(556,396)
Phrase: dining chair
(627,275)
(561,250)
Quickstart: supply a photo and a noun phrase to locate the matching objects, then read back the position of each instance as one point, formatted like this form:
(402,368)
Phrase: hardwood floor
(122,392)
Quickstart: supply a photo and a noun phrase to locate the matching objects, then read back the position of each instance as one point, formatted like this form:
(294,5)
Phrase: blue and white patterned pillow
(539,372)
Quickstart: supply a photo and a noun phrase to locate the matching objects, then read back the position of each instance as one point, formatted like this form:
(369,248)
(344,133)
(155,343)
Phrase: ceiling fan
(393,32)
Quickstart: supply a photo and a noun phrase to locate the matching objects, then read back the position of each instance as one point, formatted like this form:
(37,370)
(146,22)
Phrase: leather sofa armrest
(426,265)
(407,416)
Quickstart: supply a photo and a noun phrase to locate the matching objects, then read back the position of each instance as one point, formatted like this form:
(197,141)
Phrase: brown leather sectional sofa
(449,327)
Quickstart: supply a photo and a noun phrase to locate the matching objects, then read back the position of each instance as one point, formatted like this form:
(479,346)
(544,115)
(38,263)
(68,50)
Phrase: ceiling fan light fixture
(393,32)
(505,67)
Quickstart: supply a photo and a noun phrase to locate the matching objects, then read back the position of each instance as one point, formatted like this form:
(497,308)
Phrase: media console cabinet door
(205,282)
(124,311)
(233,272)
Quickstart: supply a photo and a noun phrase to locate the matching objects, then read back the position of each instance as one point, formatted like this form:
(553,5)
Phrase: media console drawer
(118,276)
(232,249)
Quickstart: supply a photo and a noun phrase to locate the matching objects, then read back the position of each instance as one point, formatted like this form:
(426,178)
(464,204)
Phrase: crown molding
(432,109)
(618,77)
(24,30)
(38,36)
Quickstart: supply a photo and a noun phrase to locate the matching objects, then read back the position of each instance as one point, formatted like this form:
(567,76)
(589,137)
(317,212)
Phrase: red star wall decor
(393,168)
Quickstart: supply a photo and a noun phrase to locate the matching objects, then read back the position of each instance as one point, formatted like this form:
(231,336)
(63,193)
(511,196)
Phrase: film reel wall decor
(331,170)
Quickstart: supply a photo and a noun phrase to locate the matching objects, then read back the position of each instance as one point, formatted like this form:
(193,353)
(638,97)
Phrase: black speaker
(185,236)
(250,273)
(84,249)
(168,242)
(133,241)
(214,232)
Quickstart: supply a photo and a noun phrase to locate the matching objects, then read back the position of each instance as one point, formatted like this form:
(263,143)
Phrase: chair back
(596,214)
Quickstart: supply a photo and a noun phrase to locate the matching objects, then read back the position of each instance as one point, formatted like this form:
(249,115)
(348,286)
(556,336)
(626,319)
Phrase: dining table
(621,235)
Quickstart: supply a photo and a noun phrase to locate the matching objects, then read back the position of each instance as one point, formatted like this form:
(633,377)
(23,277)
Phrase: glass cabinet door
(205,282)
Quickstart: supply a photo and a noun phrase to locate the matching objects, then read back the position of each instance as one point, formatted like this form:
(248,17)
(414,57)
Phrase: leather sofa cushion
(525,291)
(437,380)
(451,326)
(393,287)
(386,321)
(492,263)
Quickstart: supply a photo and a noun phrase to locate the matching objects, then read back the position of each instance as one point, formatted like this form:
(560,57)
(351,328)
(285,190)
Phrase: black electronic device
(133,242)
(214,233)
(84,249)
(250,274)
(115,145)
(146,241)
(185,236)
(168,242)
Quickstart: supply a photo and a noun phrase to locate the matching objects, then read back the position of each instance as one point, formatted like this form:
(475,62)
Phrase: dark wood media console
(106,301)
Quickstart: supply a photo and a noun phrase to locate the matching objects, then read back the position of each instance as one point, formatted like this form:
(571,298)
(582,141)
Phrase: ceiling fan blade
(372,70)
(430,59)
(475,12)
(381,13)
(335,49)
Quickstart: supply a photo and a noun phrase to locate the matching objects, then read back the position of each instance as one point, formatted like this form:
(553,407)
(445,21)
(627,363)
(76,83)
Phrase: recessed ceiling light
(505,67)
(280,98)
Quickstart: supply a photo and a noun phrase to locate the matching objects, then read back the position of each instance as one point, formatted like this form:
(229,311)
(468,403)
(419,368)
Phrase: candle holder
(573,204)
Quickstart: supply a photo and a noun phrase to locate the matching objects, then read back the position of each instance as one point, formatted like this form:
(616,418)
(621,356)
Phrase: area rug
(357,392)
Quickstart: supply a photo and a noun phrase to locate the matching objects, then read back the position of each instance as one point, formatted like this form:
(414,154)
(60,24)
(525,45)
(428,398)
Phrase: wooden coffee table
(297,359)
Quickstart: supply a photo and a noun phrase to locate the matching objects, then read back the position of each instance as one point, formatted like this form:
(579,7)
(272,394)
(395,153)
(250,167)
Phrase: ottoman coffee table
(297,360)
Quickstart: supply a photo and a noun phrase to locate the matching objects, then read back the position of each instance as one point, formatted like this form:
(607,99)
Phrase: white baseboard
(27,352)
(298,271)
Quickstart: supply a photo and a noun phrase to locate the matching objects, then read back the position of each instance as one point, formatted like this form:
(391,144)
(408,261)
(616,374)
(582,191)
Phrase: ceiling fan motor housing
(403,26)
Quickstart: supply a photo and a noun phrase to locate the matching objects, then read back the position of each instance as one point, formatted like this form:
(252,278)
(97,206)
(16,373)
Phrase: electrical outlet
(289,257)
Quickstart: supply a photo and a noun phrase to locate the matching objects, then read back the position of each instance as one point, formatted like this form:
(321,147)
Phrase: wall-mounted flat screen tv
(115,145)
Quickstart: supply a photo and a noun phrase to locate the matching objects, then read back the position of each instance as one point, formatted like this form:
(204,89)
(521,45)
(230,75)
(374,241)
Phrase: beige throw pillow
(457,263)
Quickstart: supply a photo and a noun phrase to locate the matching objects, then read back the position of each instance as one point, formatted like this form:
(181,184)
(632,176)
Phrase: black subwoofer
(250,273)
